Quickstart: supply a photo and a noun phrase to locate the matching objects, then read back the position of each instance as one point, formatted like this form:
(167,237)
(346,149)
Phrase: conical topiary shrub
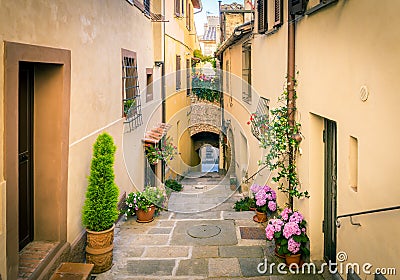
(100,208)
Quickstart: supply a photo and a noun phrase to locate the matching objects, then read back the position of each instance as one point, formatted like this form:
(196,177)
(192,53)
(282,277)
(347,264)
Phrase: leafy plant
(203,58)
(282,139)
(144,200)
(206,87)
(265,199)
(289,233)
(244,204)
(100,207)
(165,151)
(128,103)
(173,185)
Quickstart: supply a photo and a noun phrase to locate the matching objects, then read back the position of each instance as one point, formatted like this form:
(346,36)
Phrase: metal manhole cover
(204,231)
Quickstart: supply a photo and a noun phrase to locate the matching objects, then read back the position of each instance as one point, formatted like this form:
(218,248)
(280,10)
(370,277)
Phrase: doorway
(330,190)
(25,153)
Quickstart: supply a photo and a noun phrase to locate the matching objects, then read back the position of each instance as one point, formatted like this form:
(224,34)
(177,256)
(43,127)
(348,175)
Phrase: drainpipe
(163,93)
(291,100)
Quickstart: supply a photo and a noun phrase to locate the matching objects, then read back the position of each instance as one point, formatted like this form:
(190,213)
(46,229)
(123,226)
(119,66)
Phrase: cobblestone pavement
(188,243)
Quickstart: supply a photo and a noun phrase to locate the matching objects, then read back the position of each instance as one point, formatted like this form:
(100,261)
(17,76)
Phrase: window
(353,163)
(146,4)
(246,73)
(188,15)
(149,83)
(297,7)
(262,21)
(131,107)
(260,118)
(178,8)
(178,72)
(227,76)
(278,12)
(188,77)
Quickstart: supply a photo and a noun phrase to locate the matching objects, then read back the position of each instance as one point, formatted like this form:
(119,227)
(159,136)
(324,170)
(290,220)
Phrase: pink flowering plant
(144,200)
(166,151)
(265,199)
(289,233)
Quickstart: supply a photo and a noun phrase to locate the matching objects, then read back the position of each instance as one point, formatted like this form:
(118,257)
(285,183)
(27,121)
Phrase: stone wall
(204,118)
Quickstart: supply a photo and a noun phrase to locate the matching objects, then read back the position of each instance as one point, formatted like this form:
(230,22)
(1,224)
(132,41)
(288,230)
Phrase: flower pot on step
(293,259)
(145,217)
(260,217)
(99,249)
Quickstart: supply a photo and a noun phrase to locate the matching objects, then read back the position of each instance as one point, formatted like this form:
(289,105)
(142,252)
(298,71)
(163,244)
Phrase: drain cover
(204,231)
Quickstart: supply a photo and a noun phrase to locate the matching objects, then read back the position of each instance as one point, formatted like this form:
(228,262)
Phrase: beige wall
(179,41)
(95,33)
(357,48)
(340,49)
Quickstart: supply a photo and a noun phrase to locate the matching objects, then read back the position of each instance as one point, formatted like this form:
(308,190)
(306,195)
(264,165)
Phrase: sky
(209,7)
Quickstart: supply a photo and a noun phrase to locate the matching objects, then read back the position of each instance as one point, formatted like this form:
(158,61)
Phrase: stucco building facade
(345,61)
(66,70)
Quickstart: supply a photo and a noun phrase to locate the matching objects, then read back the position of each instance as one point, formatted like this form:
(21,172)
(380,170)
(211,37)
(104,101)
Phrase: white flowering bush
(144,200)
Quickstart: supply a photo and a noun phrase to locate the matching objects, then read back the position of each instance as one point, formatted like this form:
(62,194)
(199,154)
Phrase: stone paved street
(166,248)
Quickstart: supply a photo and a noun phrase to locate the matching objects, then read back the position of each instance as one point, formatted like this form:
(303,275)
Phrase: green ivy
(278,138)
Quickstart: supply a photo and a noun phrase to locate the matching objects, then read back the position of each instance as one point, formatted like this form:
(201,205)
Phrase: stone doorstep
(73,271)
(35,257)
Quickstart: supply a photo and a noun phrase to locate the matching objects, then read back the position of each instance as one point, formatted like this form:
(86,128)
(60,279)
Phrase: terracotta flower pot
(260,217)
(291,259)
(99,249)
(145,217)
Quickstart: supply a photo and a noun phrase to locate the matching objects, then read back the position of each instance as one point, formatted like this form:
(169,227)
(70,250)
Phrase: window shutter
(178,7)
(178,72)
(262,16)
(297,7)
(278,13)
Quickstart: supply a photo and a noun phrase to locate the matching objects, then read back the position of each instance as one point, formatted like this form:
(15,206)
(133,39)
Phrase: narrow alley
(201,236)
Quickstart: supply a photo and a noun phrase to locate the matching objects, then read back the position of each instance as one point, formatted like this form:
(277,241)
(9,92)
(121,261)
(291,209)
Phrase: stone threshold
(36,257)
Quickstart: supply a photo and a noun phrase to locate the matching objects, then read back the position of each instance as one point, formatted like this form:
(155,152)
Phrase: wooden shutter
(262,16)
(178,72)
(278,13)
(178,7)
(297,7)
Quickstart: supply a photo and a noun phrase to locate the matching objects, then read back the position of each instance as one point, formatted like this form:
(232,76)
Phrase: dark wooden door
(25,154)
(330,191)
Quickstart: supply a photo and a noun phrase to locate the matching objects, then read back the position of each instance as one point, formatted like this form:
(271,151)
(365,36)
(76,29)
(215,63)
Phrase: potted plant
(265,198)
(128,104)
(173,185)
(144,204)
(100,207)
(245,204)
(206,87)
(166,151)
(289,233)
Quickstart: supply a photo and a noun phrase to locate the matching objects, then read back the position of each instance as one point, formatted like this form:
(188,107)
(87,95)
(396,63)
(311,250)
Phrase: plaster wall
(94,32)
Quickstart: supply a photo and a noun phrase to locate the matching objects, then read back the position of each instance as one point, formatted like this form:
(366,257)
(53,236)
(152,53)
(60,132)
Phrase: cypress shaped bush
(100,208)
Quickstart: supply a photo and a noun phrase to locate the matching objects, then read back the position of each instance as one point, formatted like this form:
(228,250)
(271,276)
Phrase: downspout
(163,93)
(291,99)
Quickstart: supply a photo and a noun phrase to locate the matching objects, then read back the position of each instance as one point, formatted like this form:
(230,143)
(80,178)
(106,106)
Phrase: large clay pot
(291,259)
(99,249)
(260,217)
(145,217)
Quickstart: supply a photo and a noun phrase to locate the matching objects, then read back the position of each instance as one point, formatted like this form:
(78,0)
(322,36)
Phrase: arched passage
(207,145)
